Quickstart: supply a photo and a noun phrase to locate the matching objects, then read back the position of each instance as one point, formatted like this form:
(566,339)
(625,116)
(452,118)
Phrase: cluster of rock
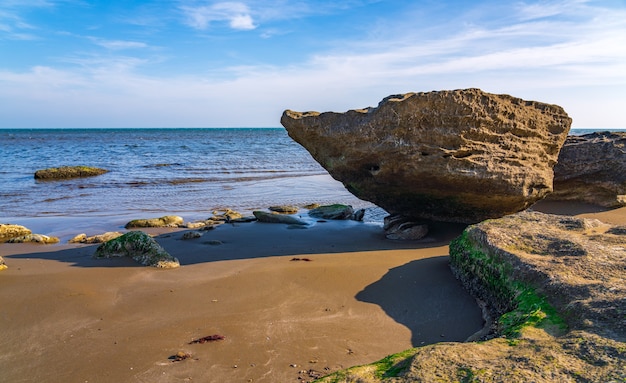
(555,288)
(65,172)
(10,233)
(455,156)
(145,250)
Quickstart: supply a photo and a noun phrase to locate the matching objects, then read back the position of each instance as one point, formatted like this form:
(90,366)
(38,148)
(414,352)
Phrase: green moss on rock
(139,246)
(65,172)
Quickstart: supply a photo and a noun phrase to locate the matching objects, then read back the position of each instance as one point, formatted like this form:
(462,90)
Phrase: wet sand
(65,317)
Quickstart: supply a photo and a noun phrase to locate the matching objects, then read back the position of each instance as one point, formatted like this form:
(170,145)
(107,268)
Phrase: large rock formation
(460,156)
(556,288)
(592,169)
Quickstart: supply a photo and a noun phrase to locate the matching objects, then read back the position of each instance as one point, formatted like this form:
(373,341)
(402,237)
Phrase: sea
(191,172)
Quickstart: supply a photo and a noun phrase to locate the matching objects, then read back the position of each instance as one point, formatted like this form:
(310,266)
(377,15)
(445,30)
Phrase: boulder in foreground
(457,156)
(555,287)
(139,246)
(592,169)
(65,172)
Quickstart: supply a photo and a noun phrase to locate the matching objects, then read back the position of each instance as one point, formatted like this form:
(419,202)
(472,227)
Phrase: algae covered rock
(555,288)
(8,231)
(335,211)
(454,155)
(165,221)
(65,172)
(34,238)
(576,264)
(139,246)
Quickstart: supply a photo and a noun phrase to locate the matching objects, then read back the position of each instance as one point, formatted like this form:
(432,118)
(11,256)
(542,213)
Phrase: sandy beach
(352,298)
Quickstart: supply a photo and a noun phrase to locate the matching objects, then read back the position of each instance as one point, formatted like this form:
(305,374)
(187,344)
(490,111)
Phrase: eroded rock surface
(578,264)
(592,169)
(459,156)
(8,231)
(556,288)
(139,246)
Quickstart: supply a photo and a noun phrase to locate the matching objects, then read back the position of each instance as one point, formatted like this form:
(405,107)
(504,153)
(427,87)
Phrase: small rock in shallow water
(336,211)
(191,235)
(65,172)
(286,209)
(165,221)
(2,264)
(263,216)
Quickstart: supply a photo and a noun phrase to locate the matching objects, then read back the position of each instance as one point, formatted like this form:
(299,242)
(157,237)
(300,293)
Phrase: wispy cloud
(530,55)
(236,14)
(118,44)
(13,27)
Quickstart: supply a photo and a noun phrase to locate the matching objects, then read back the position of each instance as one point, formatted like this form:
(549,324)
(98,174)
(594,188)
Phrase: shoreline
(359,298)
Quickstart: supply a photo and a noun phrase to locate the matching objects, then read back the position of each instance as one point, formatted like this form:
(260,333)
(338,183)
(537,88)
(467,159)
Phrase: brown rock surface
(592,169)
(8,231)
(460,156)
(556,286)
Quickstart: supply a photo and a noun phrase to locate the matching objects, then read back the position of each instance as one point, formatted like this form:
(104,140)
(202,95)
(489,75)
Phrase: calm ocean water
(153,172)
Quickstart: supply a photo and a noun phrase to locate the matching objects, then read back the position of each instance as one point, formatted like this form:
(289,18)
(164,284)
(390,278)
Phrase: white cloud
(579,65)
(236,14)
(119,44)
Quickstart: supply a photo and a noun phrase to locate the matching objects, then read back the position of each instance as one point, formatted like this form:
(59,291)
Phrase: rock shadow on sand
(424,296)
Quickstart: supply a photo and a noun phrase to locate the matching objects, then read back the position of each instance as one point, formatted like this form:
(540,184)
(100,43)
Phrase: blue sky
(192,63)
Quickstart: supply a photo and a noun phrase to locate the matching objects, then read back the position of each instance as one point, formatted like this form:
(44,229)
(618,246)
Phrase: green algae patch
(335,211)
(65,172)
(553,288)
(390,366)
(490,277)
(139,246)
